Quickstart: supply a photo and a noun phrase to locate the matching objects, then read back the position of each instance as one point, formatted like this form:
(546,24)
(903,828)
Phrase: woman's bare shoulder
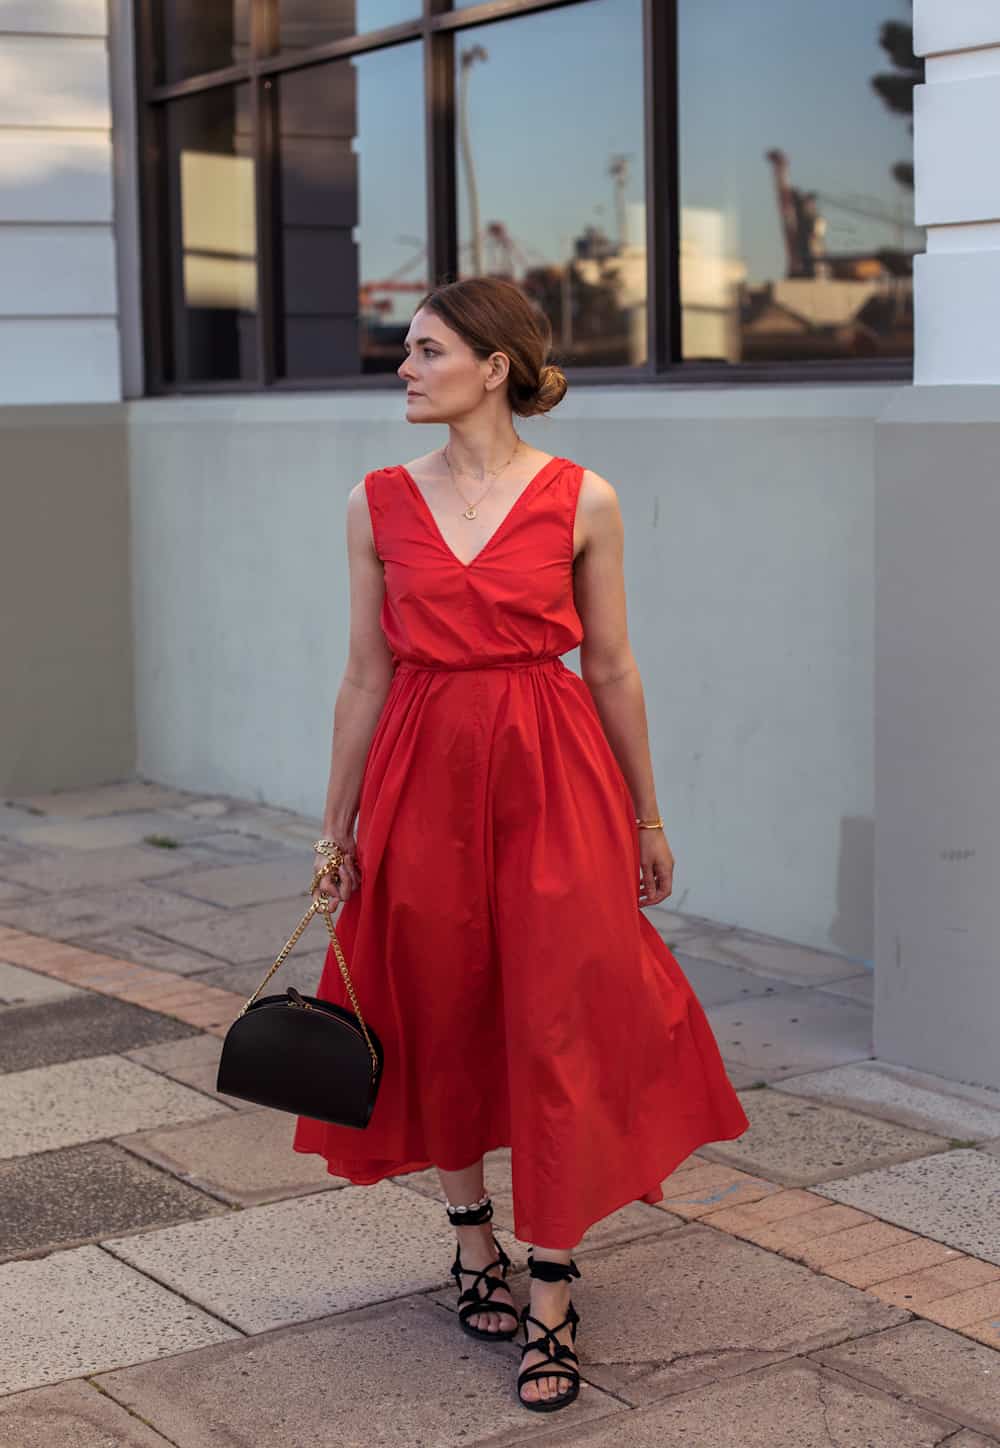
(596,494)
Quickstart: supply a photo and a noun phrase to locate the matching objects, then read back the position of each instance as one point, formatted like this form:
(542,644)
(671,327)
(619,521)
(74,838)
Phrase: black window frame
(436,27)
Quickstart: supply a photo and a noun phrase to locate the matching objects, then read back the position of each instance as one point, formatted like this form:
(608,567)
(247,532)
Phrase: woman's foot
(550,1304)
(477,1249)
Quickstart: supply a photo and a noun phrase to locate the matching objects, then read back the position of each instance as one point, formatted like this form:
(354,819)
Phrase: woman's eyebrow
(421,340)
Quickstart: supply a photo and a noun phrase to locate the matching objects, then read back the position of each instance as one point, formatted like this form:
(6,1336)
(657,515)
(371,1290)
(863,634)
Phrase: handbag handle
(319,907)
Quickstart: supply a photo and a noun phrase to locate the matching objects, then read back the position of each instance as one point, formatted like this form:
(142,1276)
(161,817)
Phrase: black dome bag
(301,1054)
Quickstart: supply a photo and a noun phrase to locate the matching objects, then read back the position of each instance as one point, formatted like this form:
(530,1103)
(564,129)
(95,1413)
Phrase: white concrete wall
(750,576)
(957,172)
(58,294)
(937,586)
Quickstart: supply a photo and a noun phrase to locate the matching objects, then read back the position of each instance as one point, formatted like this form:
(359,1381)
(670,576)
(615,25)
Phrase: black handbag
(301,1054)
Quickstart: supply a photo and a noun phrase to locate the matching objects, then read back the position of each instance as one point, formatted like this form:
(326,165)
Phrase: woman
(508,833)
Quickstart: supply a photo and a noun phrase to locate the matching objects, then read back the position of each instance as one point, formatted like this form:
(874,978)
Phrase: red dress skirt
(496,942)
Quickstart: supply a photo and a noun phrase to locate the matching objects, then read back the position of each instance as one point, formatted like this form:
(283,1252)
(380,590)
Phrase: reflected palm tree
(896,87)
(467,59)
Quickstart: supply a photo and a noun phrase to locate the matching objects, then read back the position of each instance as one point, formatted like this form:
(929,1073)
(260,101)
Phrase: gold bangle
(656,824)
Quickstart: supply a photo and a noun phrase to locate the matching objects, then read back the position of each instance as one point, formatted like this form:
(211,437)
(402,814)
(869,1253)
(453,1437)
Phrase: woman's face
(444,377)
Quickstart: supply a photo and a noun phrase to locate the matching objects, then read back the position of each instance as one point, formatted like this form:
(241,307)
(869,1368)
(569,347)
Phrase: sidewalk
(171,1273)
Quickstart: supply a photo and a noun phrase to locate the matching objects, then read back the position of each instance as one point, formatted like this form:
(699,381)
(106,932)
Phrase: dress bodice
(513,602)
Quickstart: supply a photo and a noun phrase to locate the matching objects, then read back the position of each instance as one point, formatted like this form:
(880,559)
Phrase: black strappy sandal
(560,1360)
(470,1302)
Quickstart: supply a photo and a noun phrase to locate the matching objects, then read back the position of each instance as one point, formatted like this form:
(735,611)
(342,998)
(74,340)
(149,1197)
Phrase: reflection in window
(796,216)
(551,190)
(303,23)
(213,235)
(353,260)
(196,37)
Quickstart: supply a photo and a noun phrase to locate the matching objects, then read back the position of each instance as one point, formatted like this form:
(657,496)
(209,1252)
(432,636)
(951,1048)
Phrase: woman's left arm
(609,669)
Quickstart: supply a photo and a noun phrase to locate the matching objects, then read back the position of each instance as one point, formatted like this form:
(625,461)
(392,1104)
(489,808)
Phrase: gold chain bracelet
(656,824)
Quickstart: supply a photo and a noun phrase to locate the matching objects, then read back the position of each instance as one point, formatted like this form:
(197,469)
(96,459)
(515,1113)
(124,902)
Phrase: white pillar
(957,170)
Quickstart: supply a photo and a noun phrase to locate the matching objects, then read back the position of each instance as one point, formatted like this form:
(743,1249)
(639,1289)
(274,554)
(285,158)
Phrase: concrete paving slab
(745,1077)
(635,1220)
(80,869)
(715,984)
(662,918)
(19,893)
(72,1415)
(856,987)
(794,964)
(937,1369)
(89,1313)
(910,1098)
(788,1405)
(245,1157)
(798,1142)
(206,808)
(671,1313)
(111,831)
(302,969)
(19,987)
(233,846)
(193,1060)
(286,878)
(81,1193)
(786,1034)
(104,799)
(242,936)
(54,1106)
(79,915)
(385,1376)
(88,1024)
(291,1261)
(148,948)
(951,1197)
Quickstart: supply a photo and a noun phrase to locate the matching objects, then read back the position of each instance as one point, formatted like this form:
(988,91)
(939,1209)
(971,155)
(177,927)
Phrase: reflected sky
(788,73)
(792,74)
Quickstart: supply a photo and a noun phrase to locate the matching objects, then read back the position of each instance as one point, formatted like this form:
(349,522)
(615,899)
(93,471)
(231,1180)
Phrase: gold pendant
(470,511)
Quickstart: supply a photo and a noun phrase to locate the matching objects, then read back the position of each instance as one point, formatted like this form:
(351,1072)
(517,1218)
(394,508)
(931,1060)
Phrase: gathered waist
(537,661)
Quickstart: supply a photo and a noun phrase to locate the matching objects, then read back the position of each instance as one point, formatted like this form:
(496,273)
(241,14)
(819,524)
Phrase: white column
(957,166)
(58,295)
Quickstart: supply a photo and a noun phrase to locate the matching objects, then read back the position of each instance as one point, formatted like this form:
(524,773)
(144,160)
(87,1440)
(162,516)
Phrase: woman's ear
(498,368)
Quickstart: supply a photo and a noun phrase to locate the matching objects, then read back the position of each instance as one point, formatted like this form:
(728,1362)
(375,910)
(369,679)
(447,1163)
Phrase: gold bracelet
(656,824)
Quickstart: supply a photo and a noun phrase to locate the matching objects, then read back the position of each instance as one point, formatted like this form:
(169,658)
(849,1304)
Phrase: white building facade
(809,497)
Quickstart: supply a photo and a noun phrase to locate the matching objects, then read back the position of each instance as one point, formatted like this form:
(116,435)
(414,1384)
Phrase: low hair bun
(551,389)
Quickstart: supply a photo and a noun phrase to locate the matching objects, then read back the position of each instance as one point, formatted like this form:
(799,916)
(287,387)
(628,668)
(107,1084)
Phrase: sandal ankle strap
(552,1271)
(471,1215)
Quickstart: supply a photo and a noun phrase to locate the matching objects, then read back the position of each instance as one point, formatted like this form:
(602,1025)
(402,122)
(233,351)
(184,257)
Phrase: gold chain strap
(322,906)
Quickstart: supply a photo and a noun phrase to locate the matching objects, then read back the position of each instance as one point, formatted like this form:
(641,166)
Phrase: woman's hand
(348,869)
(657,867)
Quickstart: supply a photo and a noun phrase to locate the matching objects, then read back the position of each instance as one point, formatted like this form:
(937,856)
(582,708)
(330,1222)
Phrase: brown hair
(492,314)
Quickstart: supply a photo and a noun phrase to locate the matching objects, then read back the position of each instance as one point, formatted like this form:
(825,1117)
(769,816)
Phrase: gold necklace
(470,508)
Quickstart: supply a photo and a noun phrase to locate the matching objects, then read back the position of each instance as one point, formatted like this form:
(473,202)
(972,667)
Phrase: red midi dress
(496,942)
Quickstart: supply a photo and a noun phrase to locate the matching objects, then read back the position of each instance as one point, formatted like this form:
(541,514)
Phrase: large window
(689,189)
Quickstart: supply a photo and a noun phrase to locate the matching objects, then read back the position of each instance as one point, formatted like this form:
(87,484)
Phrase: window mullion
(439,131)
(662,193)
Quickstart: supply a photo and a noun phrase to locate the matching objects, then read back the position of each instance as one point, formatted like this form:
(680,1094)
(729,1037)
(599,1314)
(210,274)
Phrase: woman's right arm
(362,693)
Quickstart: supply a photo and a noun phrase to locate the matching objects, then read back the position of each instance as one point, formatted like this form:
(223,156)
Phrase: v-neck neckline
(496,531)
